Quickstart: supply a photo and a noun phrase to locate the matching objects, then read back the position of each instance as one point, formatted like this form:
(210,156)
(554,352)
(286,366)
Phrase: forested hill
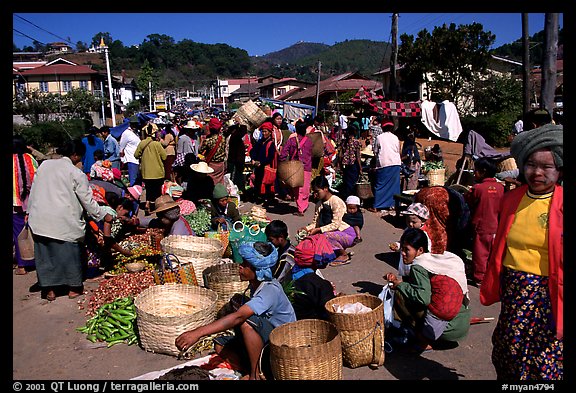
(187,64)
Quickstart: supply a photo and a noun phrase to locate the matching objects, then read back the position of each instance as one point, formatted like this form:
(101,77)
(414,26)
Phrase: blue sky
(257,33)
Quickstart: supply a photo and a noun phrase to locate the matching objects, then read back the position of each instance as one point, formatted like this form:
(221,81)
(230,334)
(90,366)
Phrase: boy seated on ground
(309,290)
(267,308)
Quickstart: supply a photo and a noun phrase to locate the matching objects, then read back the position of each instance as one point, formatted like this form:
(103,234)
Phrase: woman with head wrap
(267,308)
(525,271)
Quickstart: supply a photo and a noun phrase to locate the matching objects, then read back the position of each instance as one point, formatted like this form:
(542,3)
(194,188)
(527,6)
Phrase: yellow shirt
(527,241)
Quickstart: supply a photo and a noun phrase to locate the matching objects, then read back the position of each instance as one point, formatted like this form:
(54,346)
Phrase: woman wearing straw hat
(199,185)
(168,218)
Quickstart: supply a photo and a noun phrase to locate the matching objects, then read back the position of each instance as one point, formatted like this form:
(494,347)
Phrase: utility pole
(394,58)
(103,47)
(318,86)
(150,95)
(525,63)
(549,61)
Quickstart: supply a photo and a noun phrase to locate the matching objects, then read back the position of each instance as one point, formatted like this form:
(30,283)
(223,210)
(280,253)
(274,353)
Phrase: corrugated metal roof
(60,69)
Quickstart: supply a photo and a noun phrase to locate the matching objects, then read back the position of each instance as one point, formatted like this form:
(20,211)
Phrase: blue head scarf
(261,263)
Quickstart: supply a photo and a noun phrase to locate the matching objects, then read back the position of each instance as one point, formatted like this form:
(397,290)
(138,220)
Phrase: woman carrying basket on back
(300,148)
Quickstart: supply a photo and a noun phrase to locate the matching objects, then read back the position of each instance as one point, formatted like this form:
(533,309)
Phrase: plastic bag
(26,244)
(387,297)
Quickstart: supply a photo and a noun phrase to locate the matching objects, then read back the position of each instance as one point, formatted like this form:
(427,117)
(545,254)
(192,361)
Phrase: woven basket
(507,164)
(192,246)
(364,190)
(224,279)
(308,349)
(362,335)
(250,115)
(201,252)
(166,311)
(436,177)
(291,173)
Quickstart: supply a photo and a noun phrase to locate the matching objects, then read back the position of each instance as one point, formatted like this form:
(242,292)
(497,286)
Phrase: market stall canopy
(143,118)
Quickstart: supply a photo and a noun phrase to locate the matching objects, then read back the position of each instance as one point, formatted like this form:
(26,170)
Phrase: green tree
(147,74)
(79,102)
(81,46)
(36,106)
(96,39)
(448,59)
(497,94)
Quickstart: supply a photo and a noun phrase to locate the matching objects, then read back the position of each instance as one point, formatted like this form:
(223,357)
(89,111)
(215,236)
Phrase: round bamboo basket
(507,165)
(166,311)
(201,252)
(308,349)
(362,334)
(224,279)
(436,177)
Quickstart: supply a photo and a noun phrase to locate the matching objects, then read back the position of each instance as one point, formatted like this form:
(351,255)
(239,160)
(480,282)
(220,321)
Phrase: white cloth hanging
(449,121)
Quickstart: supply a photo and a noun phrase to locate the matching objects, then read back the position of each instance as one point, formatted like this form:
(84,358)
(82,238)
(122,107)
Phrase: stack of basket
(201,252)
(362,334)
(224,279)
(307,349)
(166,311)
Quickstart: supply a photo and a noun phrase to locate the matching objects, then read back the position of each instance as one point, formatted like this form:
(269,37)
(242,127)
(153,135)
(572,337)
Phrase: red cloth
(215,123)
(446,298)
(375,103)
(314,251)
(267,126)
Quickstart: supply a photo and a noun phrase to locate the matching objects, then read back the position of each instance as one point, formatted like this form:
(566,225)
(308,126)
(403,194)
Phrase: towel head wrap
(548,136)
(261,263)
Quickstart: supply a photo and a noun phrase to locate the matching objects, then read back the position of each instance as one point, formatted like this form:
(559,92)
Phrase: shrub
(494,128)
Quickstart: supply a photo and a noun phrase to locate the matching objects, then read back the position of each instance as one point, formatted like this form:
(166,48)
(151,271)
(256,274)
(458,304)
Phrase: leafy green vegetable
(290,290)
(429,165)
(199,221)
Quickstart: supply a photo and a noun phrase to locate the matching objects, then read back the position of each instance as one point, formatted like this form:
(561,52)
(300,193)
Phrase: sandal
(340,262)
(20,271)
(50,296)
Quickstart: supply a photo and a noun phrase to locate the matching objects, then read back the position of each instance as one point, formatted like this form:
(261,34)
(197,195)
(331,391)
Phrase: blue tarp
(143,118)
(292,110)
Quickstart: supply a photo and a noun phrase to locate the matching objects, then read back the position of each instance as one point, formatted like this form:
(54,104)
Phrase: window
(84,85)
(44,86)
(67,85)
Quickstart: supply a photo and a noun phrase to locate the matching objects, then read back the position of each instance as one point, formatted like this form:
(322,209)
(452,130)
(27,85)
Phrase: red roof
(60,69)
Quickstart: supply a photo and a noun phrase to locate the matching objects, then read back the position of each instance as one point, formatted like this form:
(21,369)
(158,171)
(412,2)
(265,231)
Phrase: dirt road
(46,345)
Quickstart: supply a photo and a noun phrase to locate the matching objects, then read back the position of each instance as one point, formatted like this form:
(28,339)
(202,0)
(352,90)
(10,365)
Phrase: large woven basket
(362,335)
(166,311)
(436,177)
(224,279)
(201,252)
(250,115)
(308,349)
(507,165)
(291,173)
(364,190)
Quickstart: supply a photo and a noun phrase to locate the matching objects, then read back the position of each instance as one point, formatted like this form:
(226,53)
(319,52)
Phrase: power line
(27,36)
(49,32)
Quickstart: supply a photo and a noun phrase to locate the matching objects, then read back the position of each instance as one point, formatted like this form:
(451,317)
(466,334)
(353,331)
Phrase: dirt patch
(188,373)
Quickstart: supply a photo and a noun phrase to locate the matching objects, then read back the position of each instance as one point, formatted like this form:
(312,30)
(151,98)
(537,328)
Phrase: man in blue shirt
(111,147)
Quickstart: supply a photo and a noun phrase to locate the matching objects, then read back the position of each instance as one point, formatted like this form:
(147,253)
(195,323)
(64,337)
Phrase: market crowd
(82,203)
